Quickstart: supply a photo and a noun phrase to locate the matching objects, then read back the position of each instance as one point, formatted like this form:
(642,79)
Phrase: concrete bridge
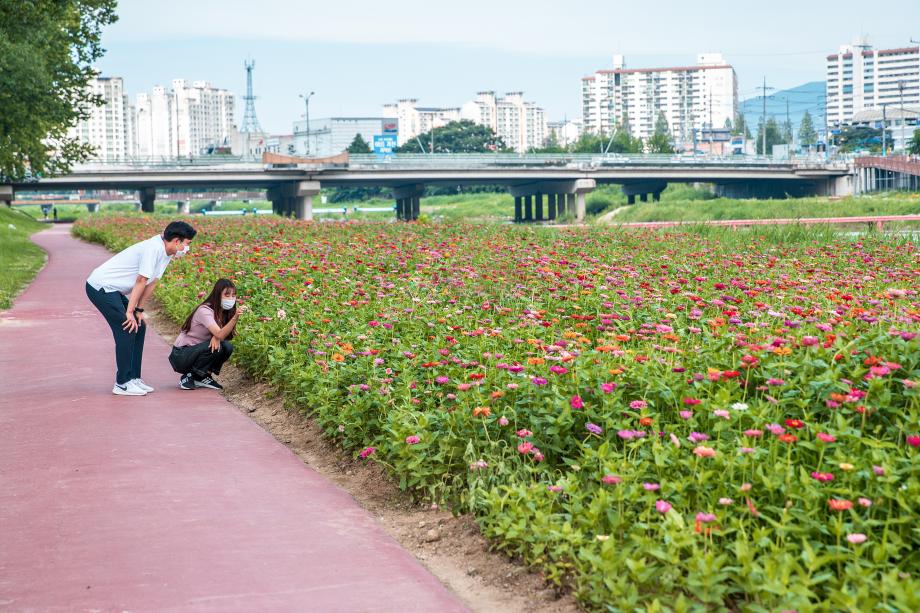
(562,181)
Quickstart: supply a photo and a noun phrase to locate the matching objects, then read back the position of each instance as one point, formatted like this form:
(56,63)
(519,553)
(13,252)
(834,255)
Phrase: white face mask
(227,303)
(180,253)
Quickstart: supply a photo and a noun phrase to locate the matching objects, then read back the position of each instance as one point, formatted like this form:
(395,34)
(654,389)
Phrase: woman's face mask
(227,303)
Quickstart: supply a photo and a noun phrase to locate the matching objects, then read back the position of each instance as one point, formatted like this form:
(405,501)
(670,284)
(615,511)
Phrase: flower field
(658,421)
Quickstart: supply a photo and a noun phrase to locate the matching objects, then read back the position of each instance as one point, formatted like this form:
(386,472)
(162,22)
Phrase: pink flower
(441,380)
(822,477)
(691,401)
(878,470)
(686,414)
(721,413)
(775,429)
(746,487)
(367,451)
(705,517)
(412,440)
(537,456)
(502,421)
(554,488)
(662,506)
(675,440)
(559,370)
(753,433)
(864,502)
(704,452)
(538,381)
(725,501)
(479,465)
(809,341)
(638,404)
(523,433)
(576,403)
(651,487)
(746,449)
(611,479)
(826,438)
(697,437)
(525,447)
(775,382)
(608,387)
(857,538)
(913,440)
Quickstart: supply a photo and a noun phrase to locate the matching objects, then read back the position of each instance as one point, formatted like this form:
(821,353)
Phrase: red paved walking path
(174,501)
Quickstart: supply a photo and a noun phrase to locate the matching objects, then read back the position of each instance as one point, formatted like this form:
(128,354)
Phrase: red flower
(836,504)
(798,424)
(913,440)
(788,438)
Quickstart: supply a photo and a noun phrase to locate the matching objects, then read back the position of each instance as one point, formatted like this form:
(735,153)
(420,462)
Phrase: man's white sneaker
(140,383)
(128,389)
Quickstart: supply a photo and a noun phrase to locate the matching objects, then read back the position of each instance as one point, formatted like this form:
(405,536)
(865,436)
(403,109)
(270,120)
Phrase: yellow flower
(846,466)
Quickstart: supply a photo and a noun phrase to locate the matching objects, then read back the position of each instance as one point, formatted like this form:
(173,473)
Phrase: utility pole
(763,118)
(901,84)
(432,136)
(306,100)
(884,129)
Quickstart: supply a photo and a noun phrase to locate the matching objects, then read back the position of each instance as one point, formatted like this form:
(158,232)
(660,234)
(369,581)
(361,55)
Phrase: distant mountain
(808,97)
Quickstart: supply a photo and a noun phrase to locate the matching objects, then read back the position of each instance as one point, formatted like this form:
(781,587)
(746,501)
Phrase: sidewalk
(170,502)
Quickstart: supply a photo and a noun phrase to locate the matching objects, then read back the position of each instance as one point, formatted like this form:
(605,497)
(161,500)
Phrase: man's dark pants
(129,346)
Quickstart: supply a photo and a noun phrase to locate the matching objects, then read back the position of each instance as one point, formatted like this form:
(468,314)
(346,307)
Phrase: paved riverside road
(174,501)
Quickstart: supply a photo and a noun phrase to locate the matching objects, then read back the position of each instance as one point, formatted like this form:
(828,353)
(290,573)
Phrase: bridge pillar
(408,201)
(518,212)
(6,194)
(539,206)
(643,197)
(551,200)
(302,196)
(582,187)
(528,208)
(92,207)
(147,197)
(631,199)
(182,207)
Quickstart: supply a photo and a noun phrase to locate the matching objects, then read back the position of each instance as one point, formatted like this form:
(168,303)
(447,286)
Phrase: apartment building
(521,125)
(110,127)
(860,78)
(414,120)
(690,98)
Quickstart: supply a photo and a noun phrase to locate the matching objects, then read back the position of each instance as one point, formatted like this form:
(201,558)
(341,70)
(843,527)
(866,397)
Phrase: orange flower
(645,421)
(788,438)
(338,357)
(482,411)
(622,337)
(536,361)
(498,394)
(836,504)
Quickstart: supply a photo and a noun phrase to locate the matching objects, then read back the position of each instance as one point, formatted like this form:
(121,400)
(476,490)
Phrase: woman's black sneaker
(209,383)
(187,382)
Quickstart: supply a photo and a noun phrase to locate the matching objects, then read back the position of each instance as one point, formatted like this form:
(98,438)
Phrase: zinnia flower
(367,451)
(593,428)
(525,447)
(576,403)
(651,487)
(638,404)
(412,440)
(725,501)
(857,538)
(705,517)
(822,477)
(836,504)
(524,433)
(864,502)
(662,506)
(913,440)
(704,452)
(610,479)
(826,438)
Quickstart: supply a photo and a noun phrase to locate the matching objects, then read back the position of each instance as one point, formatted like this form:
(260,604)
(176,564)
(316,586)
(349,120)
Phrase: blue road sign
(384,144)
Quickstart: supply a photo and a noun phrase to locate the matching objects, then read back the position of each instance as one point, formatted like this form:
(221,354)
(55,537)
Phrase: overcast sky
(358,54)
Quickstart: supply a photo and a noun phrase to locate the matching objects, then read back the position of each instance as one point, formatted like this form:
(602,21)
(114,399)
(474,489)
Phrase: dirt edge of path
(452,548)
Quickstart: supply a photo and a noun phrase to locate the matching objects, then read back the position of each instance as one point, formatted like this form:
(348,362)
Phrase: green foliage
(20,256)
(359,145)
(589,143)
(47,49)
(456,137)
(914,146)
(740,127)
(774,136)
(807,133)
(861,138)
(660,141)
(551,145)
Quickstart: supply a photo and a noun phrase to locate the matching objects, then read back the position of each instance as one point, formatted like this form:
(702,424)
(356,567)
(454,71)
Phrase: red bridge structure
(875,173)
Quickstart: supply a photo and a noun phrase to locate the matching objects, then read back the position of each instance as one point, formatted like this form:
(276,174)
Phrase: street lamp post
(901,85)
(306,100)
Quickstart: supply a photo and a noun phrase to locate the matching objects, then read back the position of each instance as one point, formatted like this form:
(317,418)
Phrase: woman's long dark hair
(213,300)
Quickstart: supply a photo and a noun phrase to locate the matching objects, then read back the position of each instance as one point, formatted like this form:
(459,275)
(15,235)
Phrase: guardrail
(338,210)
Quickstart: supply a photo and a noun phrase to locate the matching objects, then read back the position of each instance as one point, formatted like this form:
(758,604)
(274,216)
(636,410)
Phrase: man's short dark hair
(179,229)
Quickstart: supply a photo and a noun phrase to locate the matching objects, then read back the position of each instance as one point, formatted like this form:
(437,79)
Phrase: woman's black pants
(199,359)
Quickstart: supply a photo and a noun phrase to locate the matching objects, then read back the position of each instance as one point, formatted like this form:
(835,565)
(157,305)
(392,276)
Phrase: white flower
(740,406)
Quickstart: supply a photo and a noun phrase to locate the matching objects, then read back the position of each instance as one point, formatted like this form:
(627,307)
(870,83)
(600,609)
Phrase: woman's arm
(222,333)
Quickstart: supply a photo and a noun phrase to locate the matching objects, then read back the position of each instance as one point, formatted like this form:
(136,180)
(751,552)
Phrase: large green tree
(807,133)
(860,138)
(456,137)
(660,141)
(47,49)
(358,145)
(774,136)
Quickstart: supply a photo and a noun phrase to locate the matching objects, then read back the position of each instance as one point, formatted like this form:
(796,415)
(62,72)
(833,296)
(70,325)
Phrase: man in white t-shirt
(119,288)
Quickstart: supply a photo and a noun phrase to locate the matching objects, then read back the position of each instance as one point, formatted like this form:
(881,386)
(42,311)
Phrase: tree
(358,145)
(860,138)
(807,134)
(462,136)
(47,48)
(914,145)
(787,132)
(660,141)
(551,145)
(589,143)
(774,136)
(739,125)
